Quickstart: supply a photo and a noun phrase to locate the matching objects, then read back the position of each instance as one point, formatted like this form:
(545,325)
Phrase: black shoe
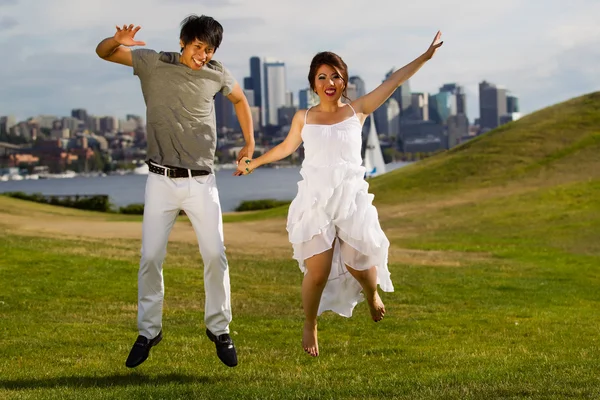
(140,350)
(225,348)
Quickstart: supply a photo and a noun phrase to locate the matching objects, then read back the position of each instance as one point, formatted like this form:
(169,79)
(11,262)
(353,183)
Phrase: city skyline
(540,52)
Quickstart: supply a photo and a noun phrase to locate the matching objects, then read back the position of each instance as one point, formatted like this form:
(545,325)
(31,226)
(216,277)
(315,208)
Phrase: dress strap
(306,114)
(352,108)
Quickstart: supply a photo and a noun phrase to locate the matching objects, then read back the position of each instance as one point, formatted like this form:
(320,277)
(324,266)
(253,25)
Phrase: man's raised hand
(125,35)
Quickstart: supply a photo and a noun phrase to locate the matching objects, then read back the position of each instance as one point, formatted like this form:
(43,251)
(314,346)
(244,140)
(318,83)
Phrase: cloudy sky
(544,51)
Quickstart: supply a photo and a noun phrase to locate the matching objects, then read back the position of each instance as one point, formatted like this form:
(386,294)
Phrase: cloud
(535,51)
(7,23)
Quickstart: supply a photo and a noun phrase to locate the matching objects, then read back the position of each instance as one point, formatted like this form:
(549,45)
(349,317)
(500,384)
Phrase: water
(264,183)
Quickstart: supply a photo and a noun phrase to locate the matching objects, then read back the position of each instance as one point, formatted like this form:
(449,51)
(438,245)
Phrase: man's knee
(214,255)
(153,255)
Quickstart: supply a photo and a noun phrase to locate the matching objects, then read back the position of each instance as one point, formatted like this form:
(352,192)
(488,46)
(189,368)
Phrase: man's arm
(244,116)
(116,48)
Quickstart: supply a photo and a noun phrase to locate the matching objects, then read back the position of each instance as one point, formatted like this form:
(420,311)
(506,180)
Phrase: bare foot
(309,339)
(376,306)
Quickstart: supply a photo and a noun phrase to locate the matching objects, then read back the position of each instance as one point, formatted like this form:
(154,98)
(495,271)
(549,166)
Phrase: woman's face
(329,84)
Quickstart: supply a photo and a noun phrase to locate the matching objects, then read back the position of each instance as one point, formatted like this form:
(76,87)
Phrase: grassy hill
(495,260)
(557,144)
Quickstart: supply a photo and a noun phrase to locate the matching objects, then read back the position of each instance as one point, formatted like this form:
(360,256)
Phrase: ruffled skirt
(333,207)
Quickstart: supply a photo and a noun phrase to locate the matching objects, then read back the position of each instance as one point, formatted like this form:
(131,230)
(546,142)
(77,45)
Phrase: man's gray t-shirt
(180,112)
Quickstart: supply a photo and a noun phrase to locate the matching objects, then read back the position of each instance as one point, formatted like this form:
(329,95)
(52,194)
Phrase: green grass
(518,324)
(517,317)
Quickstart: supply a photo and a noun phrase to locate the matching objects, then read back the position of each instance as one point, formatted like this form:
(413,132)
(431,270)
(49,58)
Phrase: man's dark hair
(203,28)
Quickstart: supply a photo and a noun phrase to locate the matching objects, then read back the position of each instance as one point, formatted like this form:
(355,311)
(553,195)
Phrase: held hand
(434,45)
(243,167)
(246,151)
(126,36)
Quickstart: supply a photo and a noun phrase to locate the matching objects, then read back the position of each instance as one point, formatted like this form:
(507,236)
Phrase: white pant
(199,198)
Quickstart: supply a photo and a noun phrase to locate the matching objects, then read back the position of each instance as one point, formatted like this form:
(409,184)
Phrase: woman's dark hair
(203,28)
(335,62)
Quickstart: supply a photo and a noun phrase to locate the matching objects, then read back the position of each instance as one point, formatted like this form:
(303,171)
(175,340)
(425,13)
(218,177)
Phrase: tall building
(249,93)
(7,122)
(275,90)
(79,113)
(402,95)
(256,81)
(94,124)
(307,98)
(460,101)
(351,93)
(444,104)
(109,124)
(512,104)
(359,84)
(303,98)
(289,99)
(512,110)
(393,117)
(420,106)
(285,115)
(381,120)
(72,124)
(492,105)
(224,113)
(248,84)
(255,112)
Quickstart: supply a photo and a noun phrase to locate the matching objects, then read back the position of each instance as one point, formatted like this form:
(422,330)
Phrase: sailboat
(373,161)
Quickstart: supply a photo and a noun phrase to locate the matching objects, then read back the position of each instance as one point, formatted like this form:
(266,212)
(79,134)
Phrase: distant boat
(15,177)
(373,161)
(66,174)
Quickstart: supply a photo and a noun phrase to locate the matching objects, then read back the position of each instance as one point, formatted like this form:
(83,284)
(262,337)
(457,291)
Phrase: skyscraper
(307,98)
(80,114)
(249,93)
(275,91)
(444,103)
(256,81)
(359,84)
(248,84)
(351,93)
(289,99)
(420,106)
(460,101)
(303,98)
(224,113)
(402,95)
(512,104)
(492,105)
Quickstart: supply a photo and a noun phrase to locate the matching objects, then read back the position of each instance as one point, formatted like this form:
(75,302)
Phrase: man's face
(196,54)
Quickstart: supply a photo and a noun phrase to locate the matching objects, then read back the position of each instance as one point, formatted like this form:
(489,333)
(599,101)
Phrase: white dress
(333,205)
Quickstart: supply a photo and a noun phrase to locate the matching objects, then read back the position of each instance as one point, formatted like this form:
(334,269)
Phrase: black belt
(174,172)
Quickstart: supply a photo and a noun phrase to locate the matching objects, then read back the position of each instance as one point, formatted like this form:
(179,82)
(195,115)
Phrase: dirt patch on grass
(266,238)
